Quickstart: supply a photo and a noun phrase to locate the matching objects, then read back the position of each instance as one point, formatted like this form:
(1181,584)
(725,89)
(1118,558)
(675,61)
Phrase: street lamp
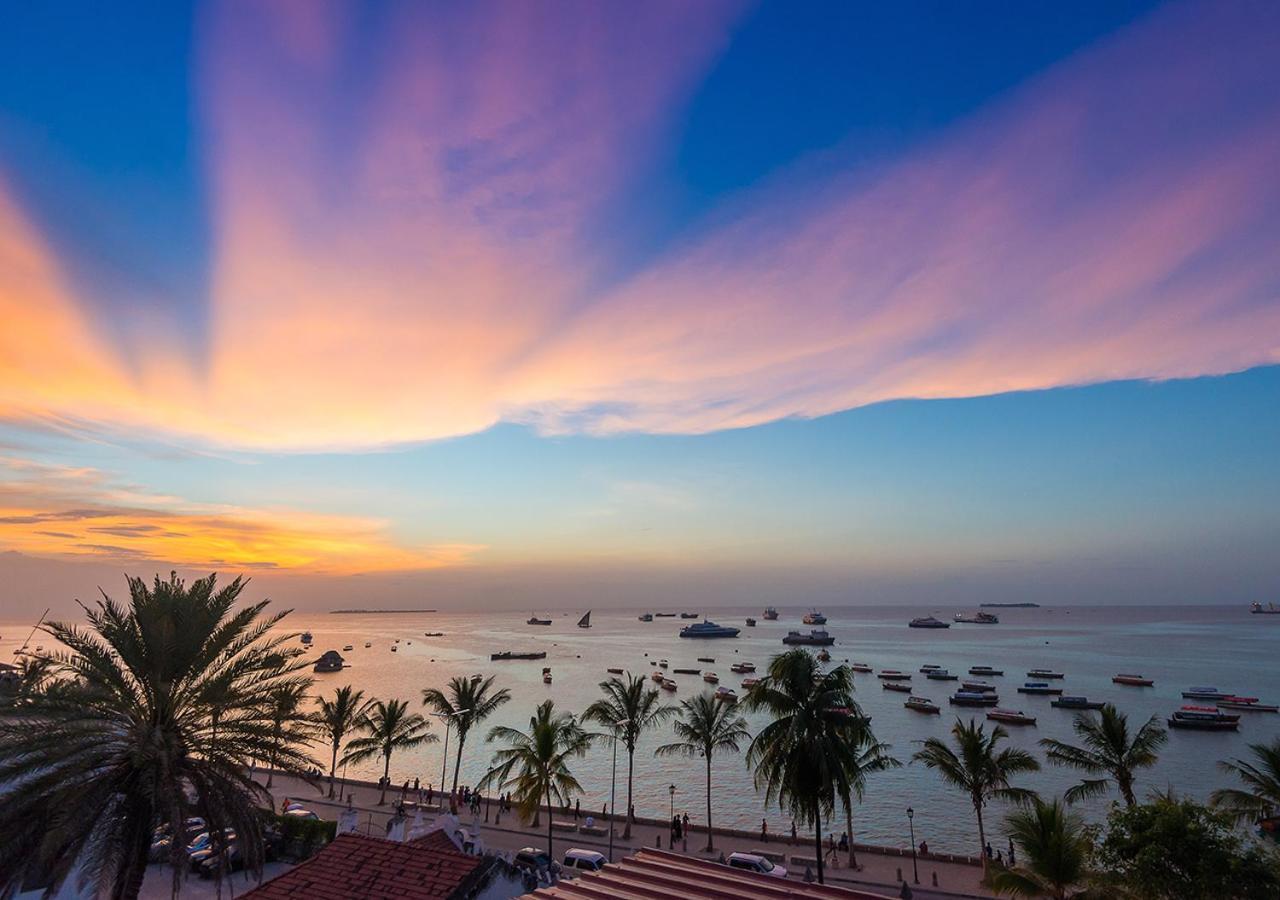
(613,782)
(915,870)
(448,721)
(671,836)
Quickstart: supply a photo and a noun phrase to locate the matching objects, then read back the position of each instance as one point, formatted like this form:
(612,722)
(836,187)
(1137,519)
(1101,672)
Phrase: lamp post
(613,782)
(915,870)
(448,721)
(671,831)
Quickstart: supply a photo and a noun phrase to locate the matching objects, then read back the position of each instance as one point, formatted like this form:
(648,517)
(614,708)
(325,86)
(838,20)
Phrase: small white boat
(663,663)
(711,678)
(347,648)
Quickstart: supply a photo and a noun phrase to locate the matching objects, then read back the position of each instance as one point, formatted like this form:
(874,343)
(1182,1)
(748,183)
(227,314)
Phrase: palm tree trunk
(817,841)
(631,759)
(386,777)
(709,832)
(457,761)
(1126,788)
(130,886)
(333,768)
(550,821)
(982,836)
(848,820)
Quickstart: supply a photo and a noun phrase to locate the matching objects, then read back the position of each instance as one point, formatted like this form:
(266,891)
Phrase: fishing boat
(979,618)
(928,622)
(1044,673)
(306,639)
(741,667)
(347,648)
(813,617)
(750,682)
(706,659)
(511,654)
(687,671)
(368,644)
(1249,704)
(665,615)
(817,637)
(973,698)
(1011,717)
(985,670)
(658,675)
(668,684)
(1204,718)
(929,667)
(330,661)
(585,621)
(861,667)
(394,648)
(726,695)
(614,671)
(977,686)
(893,675)
(663,663)
(1076,703)
(751,623)
(922,704)
(770,614)
(823,655)
(645,617)
(1269,610)
(1038,687)
(534,620)
(900,686)
(431,634)
(1204,693)
(941,675)
(1132,680)
(688,615)
(707,629)
(710,677)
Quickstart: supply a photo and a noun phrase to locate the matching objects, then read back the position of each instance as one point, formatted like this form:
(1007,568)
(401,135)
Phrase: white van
(754,863)
(583,860)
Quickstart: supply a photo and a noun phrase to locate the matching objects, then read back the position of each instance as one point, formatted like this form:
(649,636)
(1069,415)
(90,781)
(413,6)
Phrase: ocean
(1177,646)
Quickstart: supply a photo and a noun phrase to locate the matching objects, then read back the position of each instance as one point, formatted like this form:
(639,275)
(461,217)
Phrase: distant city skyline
(566,305)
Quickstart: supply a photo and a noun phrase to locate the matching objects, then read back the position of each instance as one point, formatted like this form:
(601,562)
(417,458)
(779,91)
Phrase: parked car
(583,860)
(538,862)
(753,862)
(202,847)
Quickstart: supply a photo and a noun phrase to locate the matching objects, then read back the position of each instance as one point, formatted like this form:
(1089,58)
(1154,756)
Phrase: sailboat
(585,621)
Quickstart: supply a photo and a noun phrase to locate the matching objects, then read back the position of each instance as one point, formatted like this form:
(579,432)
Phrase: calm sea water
(1178,647)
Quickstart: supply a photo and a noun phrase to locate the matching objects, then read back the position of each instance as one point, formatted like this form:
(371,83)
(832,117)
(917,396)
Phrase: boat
(646,617)
(973,698)
(928,622)
(688,615)
(1076,703)
(546,676)
(893,675)
(706,659)
(687,671)
(306,639)
(665,615)
(741,667)
(751,623)
(707,629)
(929,667)
(979,618)
(657,675)
(347,648)
(511,654)
(662,663)
(817,637)
(1249,704)
(711,678)
(1044,673)
(899,686)
(534,620)
(823,655)
(941,675)
(368,644)
(1133,680)
(614,671)
(1204,693)
(726,695)
(330,661)
(861,667)
(985,670)
(770,614)
(977,686)
(668,684)
(394,648)
(922,704)
(585,621)
(750,682)
(1038,687)
(1011,716)
(431,634)
(813,617)
(1269,610)
(1204,719)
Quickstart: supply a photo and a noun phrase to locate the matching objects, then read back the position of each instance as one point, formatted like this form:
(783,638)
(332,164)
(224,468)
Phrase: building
(659,873)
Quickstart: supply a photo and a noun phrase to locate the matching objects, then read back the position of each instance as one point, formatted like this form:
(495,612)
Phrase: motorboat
(710,677)
(657,675)
(1044,674)
(1076,703)
(813,617)
(1204,718)
(330,661)
(817,637)
(1269,610)
(614,671)
(665,615)
(1038,687)
(941,675)
(706,659)
(394,648)
(929,667)
(741,667)
(823,655)
(1133,680)
(368,644)
(893,675)
(1011,717)
(1204,693)
(726,695)
(431,634)
(928,622)
(534,620)
(546,676)
(973,698)
(306,639)
(985,670)
(511,654)
(861,667)
(922,704)
(707,629)
(770,614)
(687,671)
(662,663)
(689,615)
(749,683)
(900,686)
(979,618)
(751,623)
(347,648)
(585,621)
(646,617)
(1249,704)
(668,684)
(979,686)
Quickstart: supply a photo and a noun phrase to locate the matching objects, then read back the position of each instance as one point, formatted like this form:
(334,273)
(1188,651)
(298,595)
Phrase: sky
(549,304)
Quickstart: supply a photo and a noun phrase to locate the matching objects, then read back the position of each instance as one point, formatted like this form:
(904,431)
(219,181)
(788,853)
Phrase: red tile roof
(367,867)
(659,874)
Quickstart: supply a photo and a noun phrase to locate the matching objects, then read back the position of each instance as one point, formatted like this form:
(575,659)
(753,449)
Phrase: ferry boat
(973,698)
(928,622)
(923,704)
(1204,693)
(1249,704)
(900,686)
(1011,717)
(751,623)
(668,684)
(941,675)
(330,661)
(770,614)
(645,617)
(585,621)
(985,670)
(817,637)
(893,675)
(1038,687)
(1076,703)
(1133,680)
(861,667)
(813,617)
(726,695)
(534,620)
(711,678)
(979,686)
(980,618)
(306,639)
(742,667)
(1204,718)
(1269,610)
(749,683)
(706,629)
(1044,673)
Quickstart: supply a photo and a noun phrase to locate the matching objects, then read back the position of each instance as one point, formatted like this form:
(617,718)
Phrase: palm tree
(1261,777)
(121,738)
(535,765)
(636,705)
(289,724)
(388,727)
(1108,749)
(1055,854)
(705,726)
(337,718)
(467,703)
(802,757)
(865,756)
(979,769)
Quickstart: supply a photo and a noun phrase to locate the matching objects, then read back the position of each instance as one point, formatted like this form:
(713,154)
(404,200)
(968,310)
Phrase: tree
(1261,796)
(1107,749)
(1054,849)
(388,727)
(706,726)
(638,707)
(1177,849)
(802,759)
(289,724)
(535,764)
(337,718)
(979,769)
(866,756)
(469,702)
(121,737)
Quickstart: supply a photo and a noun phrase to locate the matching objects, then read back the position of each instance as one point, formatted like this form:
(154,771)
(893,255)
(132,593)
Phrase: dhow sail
(585,621)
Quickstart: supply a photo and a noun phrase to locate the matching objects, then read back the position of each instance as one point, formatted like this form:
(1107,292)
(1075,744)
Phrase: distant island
(1011,605)
(379,612)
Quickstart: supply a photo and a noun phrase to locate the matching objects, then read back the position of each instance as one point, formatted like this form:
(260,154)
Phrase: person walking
(793,831)
(764,831)
(684,823)
(577,809)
